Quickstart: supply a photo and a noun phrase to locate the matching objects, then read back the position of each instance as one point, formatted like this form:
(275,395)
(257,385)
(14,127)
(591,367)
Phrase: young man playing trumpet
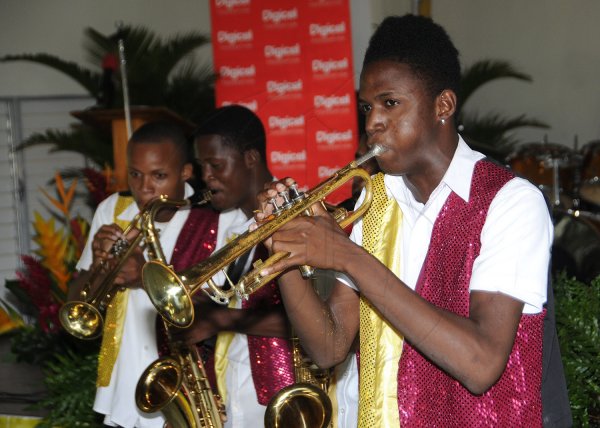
(158,164)
(445,278)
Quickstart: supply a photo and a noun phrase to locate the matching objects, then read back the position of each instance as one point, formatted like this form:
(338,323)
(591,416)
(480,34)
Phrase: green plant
(160,72)
(491,132)
(39,290)
(578,327)
(70,379)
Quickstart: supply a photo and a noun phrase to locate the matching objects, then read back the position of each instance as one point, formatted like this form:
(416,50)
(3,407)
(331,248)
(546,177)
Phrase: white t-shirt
(138,345)
(516,238)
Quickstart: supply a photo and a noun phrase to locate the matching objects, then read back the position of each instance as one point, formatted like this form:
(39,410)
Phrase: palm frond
(191,92)
(493,129)
(85,77)
(97,44)
(80,139)
(484,71)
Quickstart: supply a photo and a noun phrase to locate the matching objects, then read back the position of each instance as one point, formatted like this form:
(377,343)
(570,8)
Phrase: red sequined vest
(270,357)
(427,396)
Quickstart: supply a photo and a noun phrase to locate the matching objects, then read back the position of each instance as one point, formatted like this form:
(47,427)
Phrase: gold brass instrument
(83,319)
(305,403)
(177,385)
(171,292)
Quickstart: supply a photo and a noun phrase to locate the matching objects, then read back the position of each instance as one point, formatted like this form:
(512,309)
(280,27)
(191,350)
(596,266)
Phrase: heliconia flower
(79,231)
(9,320)
(53,246)
(66,197)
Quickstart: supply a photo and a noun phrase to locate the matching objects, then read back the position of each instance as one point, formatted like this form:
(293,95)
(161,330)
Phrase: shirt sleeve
(516,245)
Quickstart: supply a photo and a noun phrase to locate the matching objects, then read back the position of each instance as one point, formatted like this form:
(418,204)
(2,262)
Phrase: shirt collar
(457,177)
(460,171)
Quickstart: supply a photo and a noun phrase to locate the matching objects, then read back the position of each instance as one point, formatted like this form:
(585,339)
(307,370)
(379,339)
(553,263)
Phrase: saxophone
(305,403)
(177,384)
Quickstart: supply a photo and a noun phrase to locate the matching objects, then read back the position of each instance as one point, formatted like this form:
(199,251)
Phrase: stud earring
(443,121)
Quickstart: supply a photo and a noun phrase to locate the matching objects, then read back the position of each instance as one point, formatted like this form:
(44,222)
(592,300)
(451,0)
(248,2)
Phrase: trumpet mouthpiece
(376,150)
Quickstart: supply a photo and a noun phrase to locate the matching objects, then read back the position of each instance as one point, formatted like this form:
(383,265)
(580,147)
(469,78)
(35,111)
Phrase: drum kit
(570,179)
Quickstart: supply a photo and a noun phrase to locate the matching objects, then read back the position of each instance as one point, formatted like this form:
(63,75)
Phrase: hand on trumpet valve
(305,237)
(108,245)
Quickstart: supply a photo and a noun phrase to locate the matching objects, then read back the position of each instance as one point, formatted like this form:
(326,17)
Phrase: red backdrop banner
(290,62)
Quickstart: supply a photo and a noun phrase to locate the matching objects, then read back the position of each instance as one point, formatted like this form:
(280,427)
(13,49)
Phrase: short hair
(422,45)
(239,127)
(163,132)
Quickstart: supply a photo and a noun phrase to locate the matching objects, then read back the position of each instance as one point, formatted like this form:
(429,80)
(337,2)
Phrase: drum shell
(576,246)
(535,162)
(590,173)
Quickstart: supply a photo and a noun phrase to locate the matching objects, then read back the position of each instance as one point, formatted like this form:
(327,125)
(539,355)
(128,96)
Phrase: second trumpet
(171,292)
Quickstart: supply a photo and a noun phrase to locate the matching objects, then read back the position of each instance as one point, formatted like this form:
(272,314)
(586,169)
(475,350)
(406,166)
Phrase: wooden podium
(113,120)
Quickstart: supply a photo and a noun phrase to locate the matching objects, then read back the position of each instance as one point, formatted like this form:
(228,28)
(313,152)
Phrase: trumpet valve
(295,194)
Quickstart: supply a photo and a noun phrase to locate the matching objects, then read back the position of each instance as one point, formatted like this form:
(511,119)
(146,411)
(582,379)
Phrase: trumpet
(171,292)
(83,318)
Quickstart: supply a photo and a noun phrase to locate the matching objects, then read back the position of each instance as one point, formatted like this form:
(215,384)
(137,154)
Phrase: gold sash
(380,343)
(224,339)
(115,315)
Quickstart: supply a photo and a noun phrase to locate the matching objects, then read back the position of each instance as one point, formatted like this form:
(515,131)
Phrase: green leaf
(87,78)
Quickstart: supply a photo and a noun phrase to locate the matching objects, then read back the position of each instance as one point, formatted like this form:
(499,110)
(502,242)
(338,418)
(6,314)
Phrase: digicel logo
(333,137)
(235,37)
(331,101)
(235,73)
(326,172)
(288,157)
(230,4)
(270,16)
(283,123)
(280,52)
(327,30)
(327,66)
(284,87)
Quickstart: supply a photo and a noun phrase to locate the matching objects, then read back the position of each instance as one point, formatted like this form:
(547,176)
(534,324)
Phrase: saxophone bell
(177,384)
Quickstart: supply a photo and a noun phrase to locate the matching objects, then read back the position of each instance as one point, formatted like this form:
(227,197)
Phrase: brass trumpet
(83,318)
(171,292)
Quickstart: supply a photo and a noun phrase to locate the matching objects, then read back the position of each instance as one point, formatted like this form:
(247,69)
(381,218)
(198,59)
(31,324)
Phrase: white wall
(555,41)
(56,27)
(552,40)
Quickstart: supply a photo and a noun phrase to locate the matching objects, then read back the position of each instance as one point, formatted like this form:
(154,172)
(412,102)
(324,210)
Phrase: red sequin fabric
(428,397)
(196,241)
(270,357)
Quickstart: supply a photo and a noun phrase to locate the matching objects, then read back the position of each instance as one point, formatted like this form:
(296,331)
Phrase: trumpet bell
(81,319)
(158,385)
(167,292)
(300,405)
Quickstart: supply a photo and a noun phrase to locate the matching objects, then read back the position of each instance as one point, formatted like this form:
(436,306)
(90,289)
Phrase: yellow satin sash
(380,343)
(115,314)
(224,340)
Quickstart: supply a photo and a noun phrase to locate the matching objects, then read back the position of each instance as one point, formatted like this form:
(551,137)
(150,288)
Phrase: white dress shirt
(138,345)
(516,238)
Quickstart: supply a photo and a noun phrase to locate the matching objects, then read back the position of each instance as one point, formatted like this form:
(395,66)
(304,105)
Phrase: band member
(252,354)
(445,277)
(158,164)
